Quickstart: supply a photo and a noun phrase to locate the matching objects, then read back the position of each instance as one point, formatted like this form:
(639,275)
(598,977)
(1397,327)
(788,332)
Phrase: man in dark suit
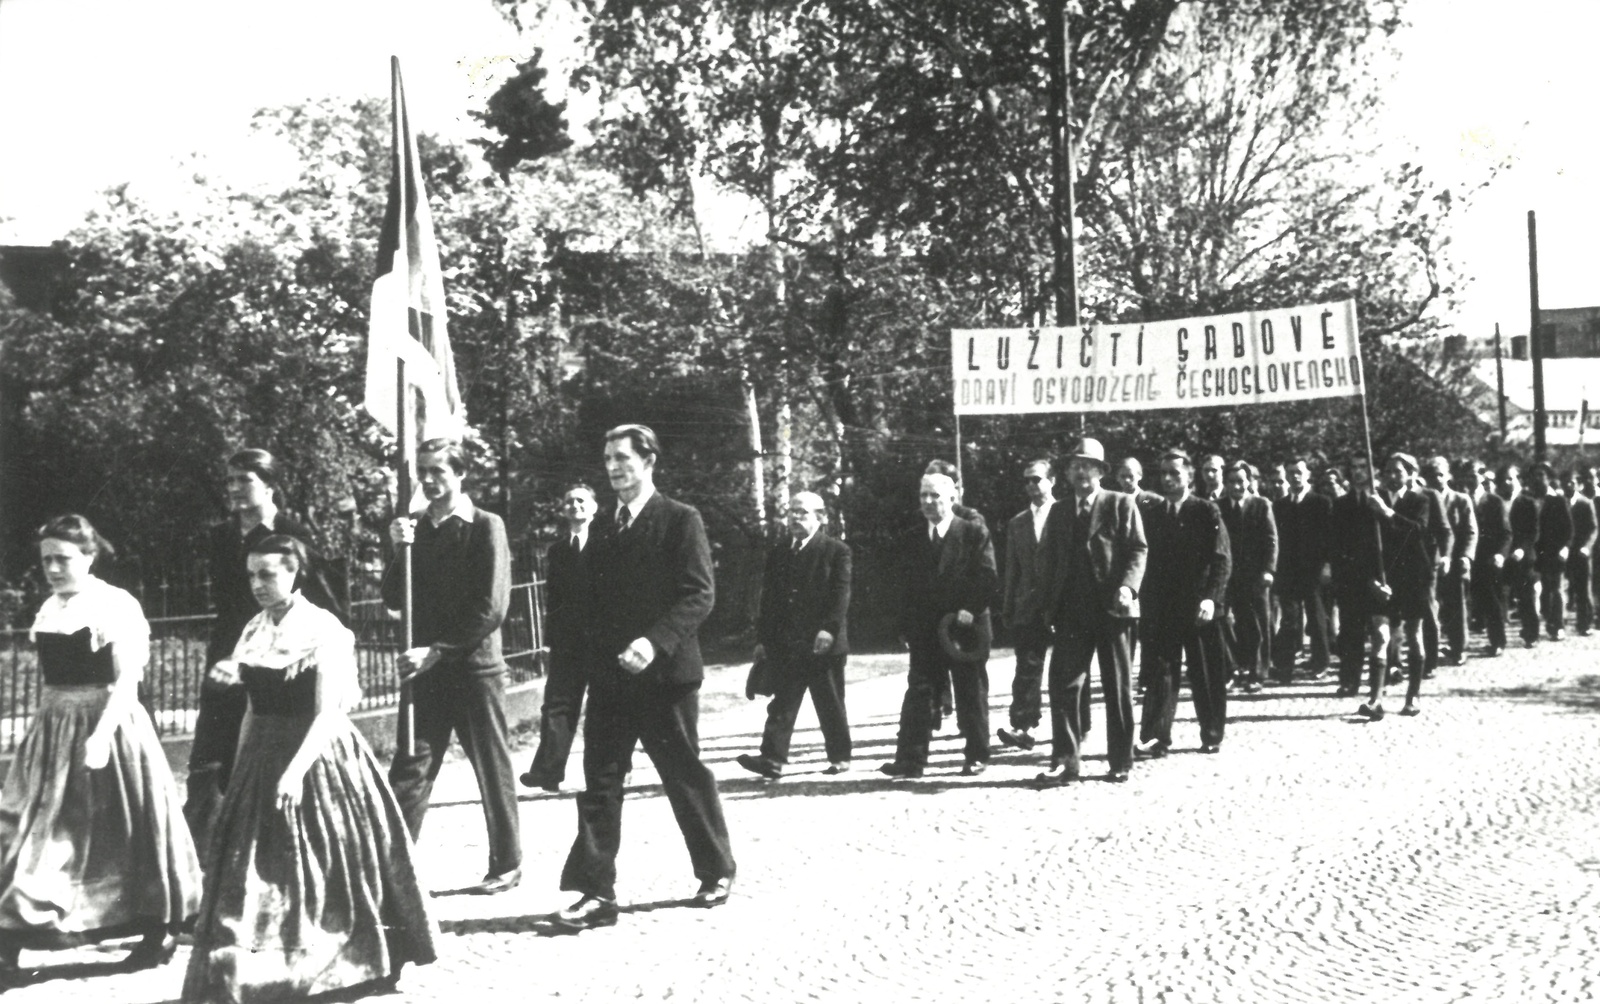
(569,632)
(1208,477)
(1180,603)
(1494,543)
(1541,535)
(801,636)
(1455,580)
(1360,579)
(252,485)
(650,590)
(461,589)
(1253,537)
(1580,552)
(1303,573)
(949,570)
(1094,557)
(1023,608)
(1439,543)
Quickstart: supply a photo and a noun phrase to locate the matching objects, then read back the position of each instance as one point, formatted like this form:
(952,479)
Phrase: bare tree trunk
(758,487)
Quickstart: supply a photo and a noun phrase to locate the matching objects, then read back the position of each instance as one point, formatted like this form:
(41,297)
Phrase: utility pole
(1500,381)
(1535,350)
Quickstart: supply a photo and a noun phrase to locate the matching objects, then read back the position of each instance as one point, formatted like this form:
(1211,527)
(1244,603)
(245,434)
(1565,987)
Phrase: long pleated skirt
(91,855)
(319,898)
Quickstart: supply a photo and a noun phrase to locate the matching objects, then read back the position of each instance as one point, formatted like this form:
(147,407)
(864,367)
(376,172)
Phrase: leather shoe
(586,913)
(760,765)
(1211,748)
(895,768)
(1411,710)
(713,892)
(1056,776)
(530,779)
(1015,737)
(1371,712)
(1494,650)
(1153,749)
(150,953)
(838,767)
(503,882)
(1117,776)
(972,768)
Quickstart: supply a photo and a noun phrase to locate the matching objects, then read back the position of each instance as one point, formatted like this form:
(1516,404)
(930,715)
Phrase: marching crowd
(291,858)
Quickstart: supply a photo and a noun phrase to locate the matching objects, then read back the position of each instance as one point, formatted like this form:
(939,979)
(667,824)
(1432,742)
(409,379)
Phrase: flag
(408,309)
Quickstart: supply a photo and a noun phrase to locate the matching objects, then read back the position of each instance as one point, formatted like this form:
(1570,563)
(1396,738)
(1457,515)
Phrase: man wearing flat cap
(1541,531)
(949,578)
(1093,565)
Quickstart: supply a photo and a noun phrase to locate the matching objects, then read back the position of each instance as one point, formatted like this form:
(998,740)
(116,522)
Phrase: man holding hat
(1541,530)
(1094,555)
(949,578)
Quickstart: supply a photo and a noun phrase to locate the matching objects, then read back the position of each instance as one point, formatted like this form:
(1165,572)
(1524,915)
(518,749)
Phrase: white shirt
(798,545)
(1041,512)
(580,538)
(937,531)
(112,616)
(462,508)
(1085,503)
(636,506)
(307,636)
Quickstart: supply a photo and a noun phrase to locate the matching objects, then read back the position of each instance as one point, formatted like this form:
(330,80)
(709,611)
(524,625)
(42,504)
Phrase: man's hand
(1499,560)
(1517,554)
(225,672)
(1585,550)
(759,654)
(964,618)
(1208,610)
(1562,554)
(1463,565)
(414,661)
(403,530)
(822,643)
(1382,589)
(1267,579)
(638,656)
(1325,575)
(1124,599)
(1378,506)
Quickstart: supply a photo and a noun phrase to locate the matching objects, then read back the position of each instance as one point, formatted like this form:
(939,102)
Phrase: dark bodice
(66,660)
(271,694)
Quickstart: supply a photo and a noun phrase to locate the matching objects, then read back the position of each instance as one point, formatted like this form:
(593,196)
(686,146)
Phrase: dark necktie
(577,544)
(624,518)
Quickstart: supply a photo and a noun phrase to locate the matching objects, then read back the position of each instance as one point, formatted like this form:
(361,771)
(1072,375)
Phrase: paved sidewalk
(1451,857)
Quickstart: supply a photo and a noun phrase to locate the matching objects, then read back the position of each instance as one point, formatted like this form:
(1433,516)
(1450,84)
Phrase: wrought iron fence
(171,686)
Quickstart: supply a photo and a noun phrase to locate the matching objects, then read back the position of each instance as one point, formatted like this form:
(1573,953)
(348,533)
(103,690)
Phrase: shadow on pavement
(1581,694)
(35,975)
(544,924)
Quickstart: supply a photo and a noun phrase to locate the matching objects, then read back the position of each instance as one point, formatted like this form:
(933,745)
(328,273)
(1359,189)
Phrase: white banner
(1254,357)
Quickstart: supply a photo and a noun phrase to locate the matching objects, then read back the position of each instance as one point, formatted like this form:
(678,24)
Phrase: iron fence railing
(171,686)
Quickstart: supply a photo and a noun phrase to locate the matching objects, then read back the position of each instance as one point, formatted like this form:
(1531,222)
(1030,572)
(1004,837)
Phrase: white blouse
(307,636)
(112,616)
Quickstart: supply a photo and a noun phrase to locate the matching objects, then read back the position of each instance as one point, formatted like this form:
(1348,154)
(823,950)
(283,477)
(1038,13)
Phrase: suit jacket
(803,593)
(568,623)
(1359,553)
(1303,542)
(652,581)
(1253,536)
(1541,525)
(1463,525)
(959,574)
(323,582)
(1439,539)
(1024,588)
(1583,521)
(1494,528)
(1112,557)
(1189,561)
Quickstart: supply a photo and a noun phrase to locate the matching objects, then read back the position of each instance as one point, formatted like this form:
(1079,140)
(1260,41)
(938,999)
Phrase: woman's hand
(96,751)
(289,788)
(225,672)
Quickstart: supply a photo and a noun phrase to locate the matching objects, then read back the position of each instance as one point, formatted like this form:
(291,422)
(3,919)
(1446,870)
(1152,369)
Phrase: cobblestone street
(1450,857)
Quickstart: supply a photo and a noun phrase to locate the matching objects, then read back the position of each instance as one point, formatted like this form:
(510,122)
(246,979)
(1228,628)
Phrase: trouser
(1247,632)
(1488,603)
(823,678)
(1303,616)
(448,700)
(665,718)
(1540,596)
(216,741)
(1110,640)
(1579,569)
(564,686)
(1430,628)
(1032,642)
(1357,616)
(1454,588)
(1165,647)
(970,681)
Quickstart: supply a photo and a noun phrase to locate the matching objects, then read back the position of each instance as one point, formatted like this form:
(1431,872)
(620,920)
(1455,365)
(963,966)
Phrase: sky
(94,93)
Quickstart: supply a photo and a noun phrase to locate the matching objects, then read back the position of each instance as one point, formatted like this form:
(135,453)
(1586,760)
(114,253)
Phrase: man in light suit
(569,632)
(1253,538)
(1094,557)
(1580,552)
(1186,580)
(650,590)
(1023,609)
(948,569)
(1541,535)
(801,636)
(1455,582)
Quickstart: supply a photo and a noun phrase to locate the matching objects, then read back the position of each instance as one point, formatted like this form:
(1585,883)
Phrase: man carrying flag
(450,658)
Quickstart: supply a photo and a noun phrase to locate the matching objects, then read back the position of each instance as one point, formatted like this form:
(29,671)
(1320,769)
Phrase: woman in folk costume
(93,845)
(310,885)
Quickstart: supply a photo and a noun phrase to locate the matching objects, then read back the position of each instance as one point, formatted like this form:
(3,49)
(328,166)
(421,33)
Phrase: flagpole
(403,439)
(1366,427)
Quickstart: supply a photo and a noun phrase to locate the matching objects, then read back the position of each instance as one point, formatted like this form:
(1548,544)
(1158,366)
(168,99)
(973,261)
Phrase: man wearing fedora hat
(1094,555)
(1541,532)
(949,578)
